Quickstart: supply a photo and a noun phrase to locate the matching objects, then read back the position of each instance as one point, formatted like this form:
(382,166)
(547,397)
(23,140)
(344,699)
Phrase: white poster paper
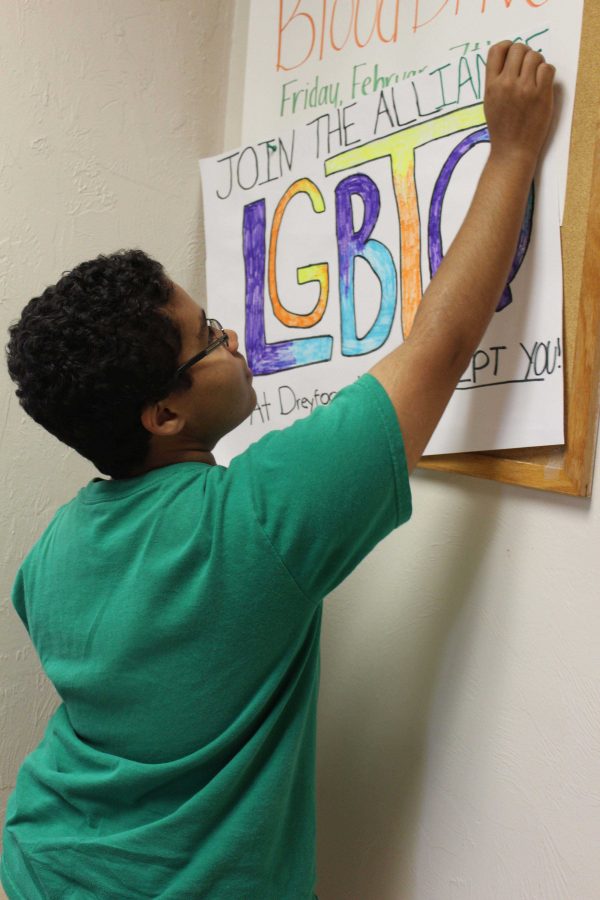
(308,56)
(321,241)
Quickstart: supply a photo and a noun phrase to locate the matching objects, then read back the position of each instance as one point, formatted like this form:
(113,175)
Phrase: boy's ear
(159,419)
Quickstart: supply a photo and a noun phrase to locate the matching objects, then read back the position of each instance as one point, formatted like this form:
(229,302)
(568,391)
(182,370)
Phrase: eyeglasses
(215,327)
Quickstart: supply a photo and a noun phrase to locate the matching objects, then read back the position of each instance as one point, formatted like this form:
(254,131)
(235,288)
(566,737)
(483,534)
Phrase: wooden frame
(568,469)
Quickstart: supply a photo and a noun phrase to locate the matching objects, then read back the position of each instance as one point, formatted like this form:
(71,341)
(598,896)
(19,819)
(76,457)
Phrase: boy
(177,606)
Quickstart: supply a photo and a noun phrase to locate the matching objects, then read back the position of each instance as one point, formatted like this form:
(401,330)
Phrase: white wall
(460,706)
(459,751)
(107,106)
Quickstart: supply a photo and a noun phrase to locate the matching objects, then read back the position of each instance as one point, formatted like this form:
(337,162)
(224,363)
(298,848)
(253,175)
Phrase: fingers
(519,61)
(497,58)
(531,63)
(544,76)
(514,60)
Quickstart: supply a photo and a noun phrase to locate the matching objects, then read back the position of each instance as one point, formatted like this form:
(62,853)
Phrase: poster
(321,240)
(309,56)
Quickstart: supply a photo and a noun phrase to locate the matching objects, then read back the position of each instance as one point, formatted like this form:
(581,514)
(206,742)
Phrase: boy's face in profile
(221,395)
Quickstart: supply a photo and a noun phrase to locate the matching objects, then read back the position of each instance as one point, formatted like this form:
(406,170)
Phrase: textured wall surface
(460,706)
(459,749)
(106,107)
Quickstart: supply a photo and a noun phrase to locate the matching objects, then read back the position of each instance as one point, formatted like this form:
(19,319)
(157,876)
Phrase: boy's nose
(233,339)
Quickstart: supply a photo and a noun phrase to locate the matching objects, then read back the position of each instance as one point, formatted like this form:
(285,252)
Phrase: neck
(159,459)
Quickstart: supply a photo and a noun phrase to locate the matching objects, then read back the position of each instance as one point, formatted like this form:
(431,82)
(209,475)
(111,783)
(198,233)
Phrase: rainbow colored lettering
(399,149)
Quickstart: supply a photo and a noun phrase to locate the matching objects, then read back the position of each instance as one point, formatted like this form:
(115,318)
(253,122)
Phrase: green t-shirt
(178,615)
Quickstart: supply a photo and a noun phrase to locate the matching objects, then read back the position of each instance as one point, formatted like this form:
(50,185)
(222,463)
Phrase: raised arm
(421,375)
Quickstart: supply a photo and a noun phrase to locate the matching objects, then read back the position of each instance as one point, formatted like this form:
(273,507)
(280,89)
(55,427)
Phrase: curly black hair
(91,351)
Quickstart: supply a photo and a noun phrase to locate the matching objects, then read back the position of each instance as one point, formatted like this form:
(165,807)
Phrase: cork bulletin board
(567,469)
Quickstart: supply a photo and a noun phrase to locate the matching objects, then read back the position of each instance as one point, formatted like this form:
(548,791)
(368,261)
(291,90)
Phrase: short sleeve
(328,488)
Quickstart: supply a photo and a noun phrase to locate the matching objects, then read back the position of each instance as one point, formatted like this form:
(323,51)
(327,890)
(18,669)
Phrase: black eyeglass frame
(214,325)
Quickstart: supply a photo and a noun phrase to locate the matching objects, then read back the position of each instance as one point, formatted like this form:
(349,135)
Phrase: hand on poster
(519,100)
